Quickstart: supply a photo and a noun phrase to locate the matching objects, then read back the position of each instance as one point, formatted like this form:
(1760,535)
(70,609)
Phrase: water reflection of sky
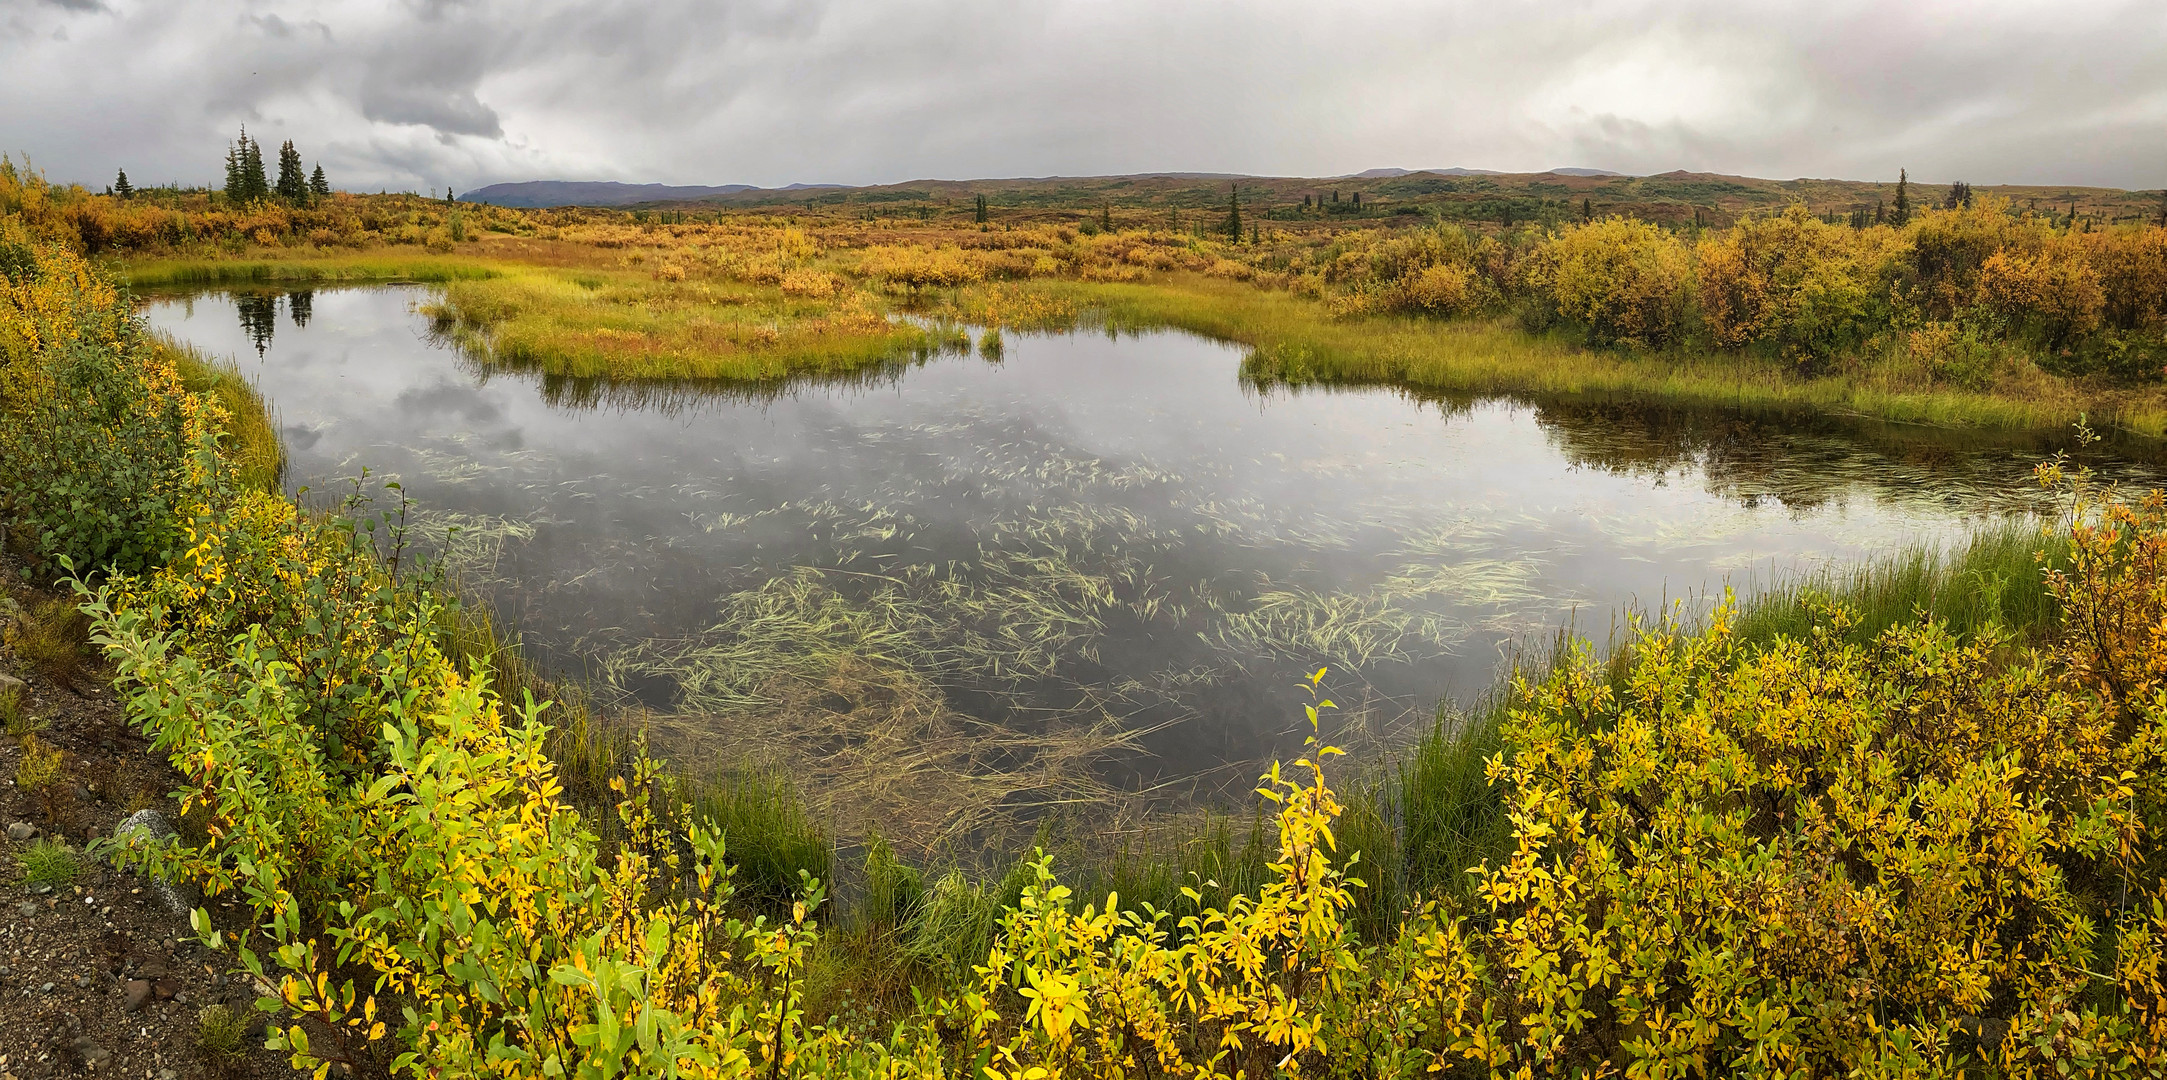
(1090,528)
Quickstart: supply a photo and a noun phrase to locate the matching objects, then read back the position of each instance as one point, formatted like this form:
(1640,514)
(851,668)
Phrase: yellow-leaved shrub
(1620,281)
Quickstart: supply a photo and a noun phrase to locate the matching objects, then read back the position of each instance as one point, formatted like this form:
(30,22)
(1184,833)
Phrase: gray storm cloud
(429,93)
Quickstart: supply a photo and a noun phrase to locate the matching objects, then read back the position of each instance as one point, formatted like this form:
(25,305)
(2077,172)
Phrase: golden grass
(1295,341)
(628,325)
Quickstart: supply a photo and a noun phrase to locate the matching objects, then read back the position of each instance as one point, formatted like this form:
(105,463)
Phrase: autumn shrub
(2131,264)
(1619,281)
(917,268)
(1806,288)
(99,440)
(2048,293)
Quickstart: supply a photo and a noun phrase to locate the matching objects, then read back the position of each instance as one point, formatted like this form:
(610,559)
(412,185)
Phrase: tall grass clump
(1451,817)
(1996,577)
(774,843)
(48,863)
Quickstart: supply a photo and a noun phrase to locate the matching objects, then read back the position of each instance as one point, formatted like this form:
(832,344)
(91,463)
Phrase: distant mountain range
(533,193)
(543,193)
(1457,194)
(1388,174)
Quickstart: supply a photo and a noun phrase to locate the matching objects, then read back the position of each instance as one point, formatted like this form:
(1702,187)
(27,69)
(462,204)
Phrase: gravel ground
(100,976)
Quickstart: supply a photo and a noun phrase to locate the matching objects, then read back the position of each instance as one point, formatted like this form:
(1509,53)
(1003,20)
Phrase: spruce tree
(1587,211)
(245,181)
(253,178)
(1903,197)
(233,172)
(1233,214)
(292,182)
(1106,217)
(2161,220)
(122,188)
(979,215)
(317,185)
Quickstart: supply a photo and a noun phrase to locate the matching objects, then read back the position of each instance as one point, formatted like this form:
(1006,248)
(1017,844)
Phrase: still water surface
(1094,565)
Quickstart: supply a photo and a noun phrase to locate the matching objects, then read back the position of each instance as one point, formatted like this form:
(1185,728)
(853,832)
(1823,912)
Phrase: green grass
(50,863)
(769,835)
(1996,577)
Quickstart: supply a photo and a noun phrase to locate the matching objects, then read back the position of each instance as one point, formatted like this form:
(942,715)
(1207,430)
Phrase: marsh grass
(304,266)
(1450,818)
(1994,577)
(632,327)
(771,835)
(1296,341)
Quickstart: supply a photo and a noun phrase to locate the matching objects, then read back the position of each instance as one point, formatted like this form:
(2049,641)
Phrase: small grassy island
(1902,821)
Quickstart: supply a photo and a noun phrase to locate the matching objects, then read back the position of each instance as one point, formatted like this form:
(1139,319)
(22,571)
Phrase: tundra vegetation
(1973,308)
(1904,823)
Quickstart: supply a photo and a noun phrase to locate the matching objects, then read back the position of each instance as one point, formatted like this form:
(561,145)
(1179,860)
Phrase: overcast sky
(428,93)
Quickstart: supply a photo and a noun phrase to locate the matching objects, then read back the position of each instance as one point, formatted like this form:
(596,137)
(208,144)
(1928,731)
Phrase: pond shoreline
(1294,341)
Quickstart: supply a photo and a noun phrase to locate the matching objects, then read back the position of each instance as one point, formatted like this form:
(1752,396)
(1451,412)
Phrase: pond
(1089,571)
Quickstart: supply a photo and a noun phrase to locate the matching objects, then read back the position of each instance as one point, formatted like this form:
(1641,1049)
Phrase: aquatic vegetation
(1050,629)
